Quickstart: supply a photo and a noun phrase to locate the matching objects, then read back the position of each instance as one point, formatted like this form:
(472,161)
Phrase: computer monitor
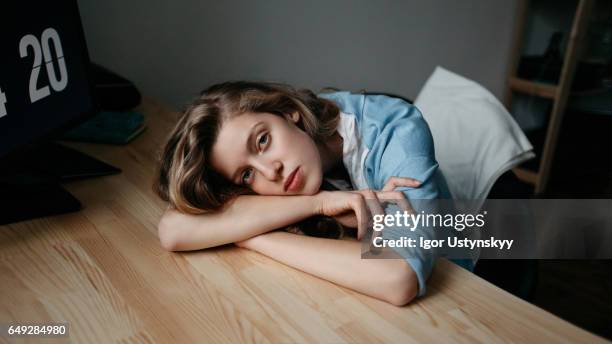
(44,89)
(44,82)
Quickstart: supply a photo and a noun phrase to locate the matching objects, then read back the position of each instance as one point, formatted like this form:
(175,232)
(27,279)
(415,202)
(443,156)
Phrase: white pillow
(476,139)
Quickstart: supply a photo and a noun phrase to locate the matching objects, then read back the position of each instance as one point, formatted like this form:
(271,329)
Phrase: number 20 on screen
(41,50)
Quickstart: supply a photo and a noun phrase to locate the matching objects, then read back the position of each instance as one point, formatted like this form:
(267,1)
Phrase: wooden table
(103,271)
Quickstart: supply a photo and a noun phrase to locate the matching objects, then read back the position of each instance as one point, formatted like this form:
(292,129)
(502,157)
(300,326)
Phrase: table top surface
(103,271)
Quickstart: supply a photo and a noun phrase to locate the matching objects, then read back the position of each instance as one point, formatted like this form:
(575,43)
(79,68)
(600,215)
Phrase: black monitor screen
(43,70)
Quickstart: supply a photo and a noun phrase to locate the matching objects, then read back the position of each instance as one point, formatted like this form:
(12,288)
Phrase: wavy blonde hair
(185,178)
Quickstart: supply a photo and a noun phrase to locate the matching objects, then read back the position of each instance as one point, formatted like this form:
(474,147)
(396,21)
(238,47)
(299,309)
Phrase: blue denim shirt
(399,143)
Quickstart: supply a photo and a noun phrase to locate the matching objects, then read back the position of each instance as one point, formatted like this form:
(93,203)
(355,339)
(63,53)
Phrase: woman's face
(268,154)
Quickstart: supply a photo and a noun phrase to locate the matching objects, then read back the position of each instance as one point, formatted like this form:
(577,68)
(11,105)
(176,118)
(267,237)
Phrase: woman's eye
(264,139)
(246,175)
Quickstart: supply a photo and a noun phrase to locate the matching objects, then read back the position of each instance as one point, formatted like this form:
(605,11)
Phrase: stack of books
(108,127)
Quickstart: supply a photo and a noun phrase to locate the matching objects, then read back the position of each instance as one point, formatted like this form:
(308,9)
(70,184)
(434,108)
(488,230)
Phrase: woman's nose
(271,170)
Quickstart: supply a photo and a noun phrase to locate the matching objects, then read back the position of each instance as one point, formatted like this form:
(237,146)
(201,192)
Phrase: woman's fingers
(358,208)
(361,212)
(375,208)
(395,182)
(397,197)
(372,202)
(388,193)
(347,219)
(372,207)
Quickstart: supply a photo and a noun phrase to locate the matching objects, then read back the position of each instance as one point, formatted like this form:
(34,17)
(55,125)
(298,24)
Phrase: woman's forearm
(245,217)
(339,261)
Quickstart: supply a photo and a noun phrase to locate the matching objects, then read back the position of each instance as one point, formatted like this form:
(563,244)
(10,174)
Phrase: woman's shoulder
(384,118)
(348,102)
(380,116)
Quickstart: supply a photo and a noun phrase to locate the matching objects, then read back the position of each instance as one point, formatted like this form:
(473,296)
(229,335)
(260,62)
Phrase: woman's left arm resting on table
(339,261)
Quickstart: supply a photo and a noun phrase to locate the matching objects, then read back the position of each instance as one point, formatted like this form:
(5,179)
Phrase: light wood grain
(102,270)
(532,88)
(557,93)
(575,46)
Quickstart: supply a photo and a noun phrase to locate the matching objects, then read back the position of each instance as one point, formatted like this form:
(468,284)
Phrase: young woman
(248,158)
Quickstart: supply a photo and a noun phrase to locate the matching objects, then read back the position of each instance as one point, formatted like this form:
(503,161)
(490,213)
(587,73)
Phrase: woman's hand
(348,207)
(246,243)
(351,208)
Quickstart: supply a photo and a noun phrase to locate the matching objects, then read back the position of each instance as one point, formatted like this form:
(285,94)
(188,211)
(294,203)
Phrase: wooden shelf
(533,88)
(557,93)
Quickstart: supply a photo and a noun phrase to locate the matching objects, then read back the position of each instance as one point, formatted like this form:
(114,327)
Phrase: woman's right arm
(251,215)
(243,218)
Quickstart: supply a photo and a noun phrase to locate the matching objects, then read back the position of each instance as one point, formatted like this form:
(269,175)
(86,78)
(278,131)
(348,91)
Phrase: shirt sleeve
(402,146)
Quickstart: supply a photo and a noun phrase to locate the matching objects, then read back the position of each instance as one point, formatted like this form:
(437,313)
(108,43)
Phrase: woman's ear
(293,117)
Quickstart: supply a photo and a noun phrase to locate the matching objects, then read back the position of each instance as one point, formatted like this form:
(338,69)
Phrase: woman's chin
(306,192)
(313,188)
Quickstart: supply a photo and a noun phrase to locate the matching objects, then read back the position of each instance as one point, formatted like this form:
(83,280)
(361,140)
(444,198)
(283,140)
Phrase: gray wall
(173,49)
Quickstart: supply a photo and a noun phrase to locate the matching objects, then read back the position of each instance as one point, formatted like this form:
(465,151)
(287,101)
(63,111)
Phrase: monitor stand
(30,182)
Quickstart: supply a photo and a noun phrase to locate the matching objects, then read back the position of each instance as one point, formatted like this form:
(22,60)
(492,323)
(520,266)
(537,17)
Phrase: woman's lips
(294,180)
